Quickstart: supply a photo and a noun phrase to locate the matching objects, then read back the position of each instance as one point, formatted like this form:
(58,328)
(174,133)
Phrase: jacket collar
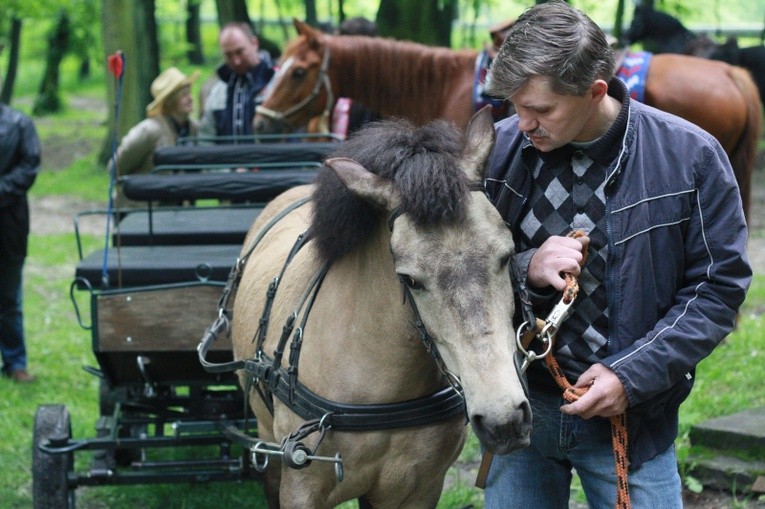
(261,72)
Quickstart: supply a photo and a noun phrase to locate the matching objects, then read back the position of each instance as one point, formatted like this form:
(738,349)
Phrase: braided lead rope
(619,439)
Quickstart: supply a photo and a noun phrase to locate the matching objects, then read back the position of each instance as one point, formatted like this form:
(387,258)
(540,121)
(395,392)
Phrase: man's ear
(599,90)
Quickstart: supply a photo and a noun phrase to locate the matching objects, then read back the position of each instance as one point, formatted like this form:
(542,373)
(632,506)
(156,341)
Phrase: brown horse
(407,211)
(421,83)
(663,33)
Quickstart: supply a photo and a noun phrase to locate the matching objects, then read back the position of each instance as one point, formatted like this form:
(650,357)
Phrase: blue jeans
(12,346)
(539,476)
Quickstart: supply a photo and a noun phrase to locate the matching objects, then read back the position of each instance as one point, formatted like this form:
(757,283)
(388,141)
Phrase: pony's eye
(504,261)
(410,282)
(298,73)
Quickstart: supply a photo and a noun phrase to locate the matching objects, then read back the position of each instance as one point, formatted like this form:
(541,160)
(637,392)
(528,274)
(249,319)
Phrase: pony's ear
(363,183)
(480,142)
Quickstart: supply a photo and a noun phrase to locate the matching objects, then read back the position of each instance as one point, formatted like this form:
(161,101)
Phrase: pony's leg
(271,481)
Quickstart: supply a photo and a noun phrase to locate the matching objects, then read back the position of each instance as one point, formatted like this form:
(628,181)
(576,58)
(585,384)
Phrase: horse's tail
(743,156)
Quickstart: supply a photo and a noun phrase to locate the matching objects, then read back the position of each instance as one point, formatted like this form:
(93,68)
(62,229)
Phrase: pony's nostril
(525,410)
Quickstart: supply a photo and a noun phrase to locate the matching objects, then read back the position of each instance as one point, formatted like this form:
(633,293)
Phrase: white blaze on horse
(399,231)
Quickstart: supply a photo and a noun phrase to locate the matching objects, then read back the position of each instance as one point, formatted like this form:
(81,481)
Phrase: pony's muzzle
(501,435)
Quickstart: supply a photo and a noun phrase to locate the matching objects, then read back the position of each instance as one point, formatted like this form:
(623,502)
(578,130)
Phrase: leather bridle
(322,80)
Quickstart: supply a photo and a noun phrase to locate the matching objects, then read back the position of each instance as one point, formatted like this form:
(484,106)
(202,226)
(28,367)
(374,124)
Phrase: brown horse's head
(300,89)
(451,248)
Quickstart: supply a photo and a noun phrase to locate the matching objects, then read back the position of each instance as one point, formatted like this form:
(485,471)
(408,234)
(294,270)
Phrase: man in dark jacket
(19,164)
(665,272)
(230,106)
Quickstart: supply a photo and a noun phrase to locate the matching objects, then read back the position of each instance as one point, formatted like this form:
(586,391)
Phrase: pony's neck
(371,326)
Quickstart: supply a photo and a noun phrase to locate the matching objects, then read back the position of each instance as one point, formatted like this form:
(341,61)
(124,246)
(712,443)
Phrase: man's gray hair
(554,40)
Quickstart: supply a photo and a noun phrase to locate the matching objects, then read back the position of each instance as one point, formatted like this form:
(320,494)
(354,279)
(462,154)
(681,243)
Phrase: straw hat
(165,84)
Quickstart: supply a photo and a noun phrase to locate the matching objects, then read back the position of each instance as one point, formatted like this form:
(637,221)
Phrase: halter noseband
(323,79)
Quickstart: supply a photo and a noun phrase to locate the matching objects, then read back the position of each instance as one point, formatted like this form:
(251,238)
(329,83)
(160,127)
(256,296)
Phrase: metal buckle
(557,316)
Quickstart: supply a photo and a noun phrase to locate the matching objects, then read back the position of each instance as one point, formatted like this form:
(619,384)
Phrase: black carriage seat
(250,186)
(158,265)
(202,224)
(246,154)
(184,226)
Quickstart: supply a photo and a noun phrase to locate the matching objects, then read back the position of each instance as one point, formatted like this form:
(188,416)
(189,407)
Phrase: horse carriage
(152,291)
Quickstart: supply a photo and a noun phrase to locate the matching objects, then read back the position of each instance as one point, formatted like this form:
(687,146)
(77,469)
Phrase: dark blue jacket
(257,78)
(677,269)
(19,164)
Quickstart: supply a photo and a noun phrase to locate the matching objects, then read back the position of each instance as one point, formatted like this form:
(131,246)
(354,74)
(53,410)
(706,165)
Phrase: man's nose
(527,123)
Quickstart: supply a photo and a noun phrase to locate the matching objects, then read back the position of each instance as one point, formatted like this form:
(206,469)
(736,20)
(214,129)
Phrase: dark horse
(422,83)
(662,33)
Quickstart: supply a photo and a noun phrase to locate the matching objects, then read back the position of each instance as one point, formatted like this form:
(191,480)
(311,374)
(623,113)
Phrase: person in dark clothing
(19,164)
(230,106)
(664,274)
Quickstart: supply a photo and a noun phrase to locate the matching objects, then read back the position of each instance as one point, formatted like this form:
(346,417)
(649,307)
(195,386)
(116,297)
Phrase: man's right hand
(556,256)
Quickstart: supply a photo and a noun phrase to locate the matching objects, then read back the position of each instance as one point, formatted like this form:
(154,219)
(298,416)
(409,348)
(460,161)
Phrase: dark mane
(423,164)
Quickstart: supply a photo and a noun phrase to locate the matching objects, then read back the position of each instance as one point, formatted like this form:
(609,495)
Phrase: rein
(322,79)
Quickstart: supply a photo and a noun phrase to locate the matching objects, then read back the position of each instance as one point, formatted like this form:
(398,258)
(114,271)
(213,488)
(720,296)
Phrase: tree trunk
(13,61)
(424,21)
(47,100)
(310,13)
(340,12)
(84,71)
(121,21)
(282,23)
(619,20)
(194,33)
(232,10)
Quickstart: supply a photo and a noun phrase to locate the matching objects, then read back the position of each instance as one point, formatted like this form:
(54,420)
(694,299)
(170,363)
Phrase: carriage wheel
(50,485)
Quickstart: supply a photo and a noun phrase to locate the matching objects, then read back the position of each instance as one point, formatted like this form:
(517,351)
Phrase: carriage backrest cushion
(243,154)
(257,186)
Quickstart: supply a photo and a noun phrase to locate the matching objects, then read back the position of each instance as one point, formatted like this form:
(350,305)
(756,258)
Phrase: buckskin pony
(402,247)
(422,83)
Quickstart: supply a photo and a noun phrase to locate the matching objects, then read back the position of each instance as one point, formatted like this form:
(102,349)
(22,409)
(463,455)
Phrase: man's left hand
(605,397)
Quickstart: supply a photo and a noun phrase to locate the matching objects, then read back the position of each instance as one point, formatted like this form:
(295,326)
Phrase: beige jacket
(136,150)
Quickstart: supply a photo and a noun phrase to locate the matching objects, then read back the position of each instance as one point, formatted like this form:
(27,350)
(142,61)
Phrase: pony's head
(450,248)
(300,89)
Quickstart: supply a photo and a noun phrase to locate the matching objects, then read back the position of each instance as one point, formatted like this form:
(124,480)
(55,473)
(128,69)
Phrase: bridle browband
(322,79)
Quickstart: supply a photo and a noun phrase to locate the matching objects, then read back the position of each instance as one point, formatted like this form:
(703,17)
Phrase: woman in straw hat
(168,117)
